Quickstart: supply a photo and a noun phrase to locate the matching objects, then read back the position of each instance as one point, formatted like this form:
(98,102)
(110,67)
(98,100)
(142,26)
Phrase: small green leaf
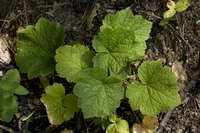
(157,90)
(37,48)
(11,82)
(6,85)
(182,5)
(70,103)
(21,90)
(121,40)
(60,107)
(119,126)
(164,22)
(12,76)
(98,95)
(71,60)
(8,106)
(169,14)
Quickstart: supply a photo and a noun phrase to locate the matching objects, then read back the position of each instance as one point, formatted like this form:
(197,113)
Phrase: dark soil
(81,19)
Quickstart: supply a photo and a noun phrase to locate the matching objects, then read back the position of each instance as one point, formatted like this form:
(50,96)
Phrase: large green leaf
(98,95)
(121,40)
(10,85)
(71,60)
(157,90)
(37,48)
(60,107)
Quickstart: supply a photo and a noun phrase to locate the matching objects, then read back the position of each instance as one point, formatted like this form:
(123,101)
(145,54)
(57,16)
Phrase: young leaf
(98,95)
(9,85)
(182,5)
(121,40)
(71,60)
(20,90)
(169,14)
(37,47)
(12,76)
(157,90)
(118,126)
(8,106)
(60,107)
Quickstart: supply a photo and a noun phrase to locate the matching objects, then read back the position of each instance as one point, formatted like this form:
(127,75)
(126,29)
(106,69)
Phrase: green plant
(180,6)
(98,77)
(9,87)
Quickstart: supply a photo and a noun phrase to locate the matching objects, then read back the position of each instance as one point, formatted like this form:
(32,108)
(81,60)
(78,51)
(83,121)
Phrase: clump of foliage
(179,6)
(9,87)
(98,75)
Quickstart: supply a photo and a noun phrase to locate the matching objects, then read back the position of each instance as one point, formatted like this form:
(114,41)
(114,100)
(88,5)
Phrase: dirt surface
(179,41)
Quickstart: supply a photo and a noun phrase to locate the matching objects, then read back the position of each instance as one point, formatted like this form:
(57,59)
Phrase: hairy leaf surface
(37,48)
(98,95)
(157,90)
(71,60)
(60,107)
(121,40)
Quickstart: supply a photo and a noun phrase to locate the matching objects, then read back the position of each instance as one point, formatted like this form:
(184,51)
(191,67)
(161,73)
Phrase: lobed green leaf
(156,91)
(37,48)
(60,107)
(118,126)
(121,40)
(72,60)
(98,95)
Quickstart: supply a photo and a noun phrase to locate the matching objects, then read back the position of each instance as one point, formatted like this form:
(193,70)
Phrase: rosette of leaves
(121,40)
(60,106)
(156,91)
(98,95)
(72,60)
(37,48)
(9,87)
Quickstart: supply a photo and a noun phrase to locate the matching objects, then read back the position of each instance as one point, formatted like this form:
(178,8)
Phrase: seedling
(180,6)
